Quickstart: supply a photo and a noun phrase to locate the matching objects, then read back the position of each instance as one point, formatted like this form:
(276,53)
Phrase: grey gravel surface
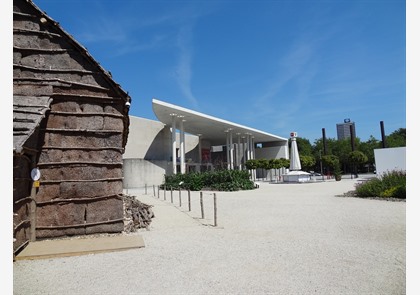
(278,239)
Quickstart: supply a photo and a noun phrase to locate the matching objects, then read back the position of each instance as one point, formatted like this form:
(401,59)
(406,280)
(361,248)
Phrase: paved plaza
(277,239)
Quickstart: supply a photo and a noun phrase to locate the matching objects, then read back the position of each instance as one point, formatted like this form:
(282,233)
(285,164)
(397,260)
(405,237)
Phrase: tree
(333,163)
(281,163)
(277,163)
(271,165)
(284,162)
(251,165)
(307,162)
(337,170)
(263,164)
(304,146)
(343,148)
(368,148)
(396,138)
(357,158)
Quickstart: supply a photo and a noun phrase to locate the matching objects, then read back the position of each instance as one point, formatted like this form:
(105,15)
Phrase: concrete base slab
(79,246)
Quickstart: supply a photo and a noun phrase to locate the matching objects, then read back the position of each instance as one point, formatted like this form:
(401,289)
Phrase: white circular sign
(35,174)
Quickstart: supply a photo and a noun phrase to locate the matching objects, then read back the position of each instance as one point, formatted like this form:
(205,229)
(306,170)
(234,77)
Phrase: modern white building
(390,159)
(184,141)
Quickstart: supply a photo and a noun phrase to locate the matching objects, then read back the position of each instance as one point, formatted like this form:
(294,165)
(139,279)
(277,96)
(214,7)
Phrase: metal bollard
(201,204)
(189,200)
(164,192)
(215,209)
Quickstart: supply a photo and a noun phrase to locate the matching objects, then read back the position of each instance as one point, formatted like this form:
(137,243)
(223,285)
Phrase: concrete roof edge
(208,117)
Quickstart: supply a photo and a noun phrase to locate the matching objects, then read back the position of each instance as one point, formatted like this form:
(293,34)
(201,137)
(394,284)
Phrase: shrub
(400,192)
(390,185)
(222,180)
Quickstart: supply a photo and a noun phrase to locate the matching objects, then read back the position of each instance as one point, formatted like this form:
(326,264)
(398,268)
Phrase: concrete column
(248,145)
(231,156)
(252,148)
(173,143)
(243,151)
(182,144)
(200,159)
(238,152)
(227,150)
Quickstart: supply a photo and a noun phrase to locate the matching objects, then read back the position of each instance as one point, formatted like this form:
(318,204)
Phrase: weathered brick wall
(22,184)
(82,137)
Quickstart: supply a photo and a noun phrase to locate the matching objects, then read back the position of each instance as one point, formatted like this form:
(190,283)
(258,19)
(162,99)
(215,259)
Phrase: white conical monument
(294,153)
(295,174)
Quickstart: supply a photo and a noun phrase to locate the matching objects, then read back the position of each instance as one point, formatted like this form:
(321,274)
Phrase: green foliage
(389,185)
(333,163)
(194,181)
(391,192)
(273,164)
(342,148)
(337,170)
(252,164)
(357,157)
(396,138)
(267,164)
(283,163)
(369,189)
(330,160)
(263,163)
(368,148)
(304,146)
(222,180)
(307,162)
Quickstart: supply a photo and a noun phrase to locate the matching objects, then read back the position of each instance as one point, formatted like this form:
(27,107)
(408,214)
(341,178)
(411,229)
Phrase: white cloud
(183,73)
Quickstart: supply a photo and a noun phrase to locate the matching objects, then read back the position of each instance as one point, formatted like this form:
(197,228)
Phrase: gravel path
(278,239)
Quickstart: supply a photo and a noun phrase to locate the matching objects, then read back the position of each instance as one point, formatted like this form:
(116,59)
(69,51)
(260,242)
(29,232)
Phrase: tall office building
(343,129)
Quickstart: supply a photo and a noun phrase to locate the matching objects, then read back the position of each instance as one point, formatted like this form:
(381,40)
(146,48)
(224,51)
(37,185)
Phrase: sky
(277,66)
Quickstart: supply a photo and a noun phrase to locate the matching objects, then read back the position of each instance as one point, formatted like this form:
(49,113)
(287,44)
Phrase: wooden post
(180,203)
(158,191)
(215,209)
(164,192)
(189,200)
(154,193)
(172,195)
(33,214)
(201,204)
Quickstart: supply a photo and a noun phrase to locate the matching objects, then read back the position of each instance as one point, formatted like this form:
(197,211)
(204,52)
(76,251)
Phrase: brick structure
(70,120)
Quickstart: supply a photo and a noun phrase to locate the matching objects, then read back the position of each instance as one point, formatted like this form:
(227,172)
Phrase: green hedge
(390,185)
(222,180)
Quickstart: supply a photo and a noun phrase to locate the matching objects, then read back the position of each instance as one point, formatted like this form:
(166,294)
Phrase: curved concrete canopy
(210,128)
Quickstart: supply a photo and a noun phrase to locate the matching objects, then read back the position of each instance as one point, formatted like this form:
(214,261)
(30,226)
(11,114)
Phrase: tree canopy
(342,149)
